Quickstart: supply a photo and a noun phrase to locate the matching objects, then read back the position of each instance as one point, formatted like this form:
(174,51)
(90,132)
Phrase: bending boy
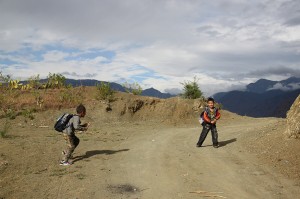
(69,134)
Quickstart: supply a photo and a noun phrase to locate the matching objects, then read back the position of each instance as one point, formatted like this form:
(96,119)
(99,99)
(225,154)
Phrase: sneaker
(64,163)
(198,145)
(216,146)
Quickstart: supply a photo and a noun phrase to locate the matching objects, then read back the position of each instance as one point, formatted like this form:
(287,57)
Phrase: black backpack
(62,122)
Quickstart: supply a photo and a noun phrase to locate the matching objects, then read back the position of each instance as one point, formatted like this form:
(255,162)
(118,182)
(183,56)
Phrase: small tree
(191,89)
(104,92)
(34,82)
(133,88)
(56,81)
(4,79)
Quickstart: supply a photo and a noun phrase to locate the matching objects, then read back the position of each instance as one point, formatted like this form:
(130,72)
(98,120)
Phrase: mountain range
(151,92)
(264,98)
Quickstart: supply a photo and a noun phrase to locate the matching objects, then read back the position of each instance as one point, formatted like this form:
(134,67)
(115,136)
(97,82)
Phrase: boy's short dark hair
(211,99)
(80,109)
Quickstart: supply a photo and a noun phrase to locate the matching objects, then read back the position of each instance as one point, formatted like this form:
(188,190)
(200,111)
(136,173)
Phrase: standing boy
(69,134)
(210,117)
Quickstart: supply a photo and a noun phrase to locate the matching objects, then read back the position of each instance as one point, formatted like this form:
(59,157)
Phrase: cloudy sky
(157,43)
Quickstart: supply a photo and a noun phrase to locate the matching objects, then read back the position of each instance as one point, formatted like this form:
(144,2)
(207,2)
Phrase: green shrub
(28,113)
(70,96)
(11,114)
(4,82)
(39,100)
(4,130)
(2,101)
(34,82)
(191,89)
(133,88)
(4,78)
(66,96)
(56,81)
(104,92)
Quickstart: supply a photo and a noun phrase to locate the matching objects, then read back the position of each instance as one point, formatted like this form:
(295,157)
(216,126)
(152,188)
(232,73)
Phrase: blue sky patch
(148,73)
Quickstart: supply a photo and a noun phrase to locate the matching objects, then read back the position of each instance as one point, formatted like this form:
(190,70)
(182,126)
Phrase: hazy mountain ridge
(151,92)
(264,98)
(264,85)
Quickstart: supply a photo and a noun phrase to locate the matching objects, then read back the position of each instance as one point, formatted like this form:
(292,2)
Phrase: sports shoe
(64,163)
(198,145)
(216,146)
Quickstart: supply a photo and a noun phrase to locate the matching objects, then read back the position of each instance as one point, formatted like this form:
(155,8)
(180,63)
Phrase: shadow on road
(224,143)
(89,154)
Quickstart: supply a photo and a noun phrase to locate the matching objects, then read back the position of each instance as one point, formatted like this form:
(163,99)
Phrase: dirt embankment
(293,120)
(141,147)
(128,107)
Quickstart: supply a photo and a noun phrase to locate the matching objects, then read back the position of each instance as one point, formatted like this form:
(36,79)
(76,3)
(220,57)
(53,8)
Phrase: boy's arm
(206,118)
(85,124)
(77,126)
(218,115)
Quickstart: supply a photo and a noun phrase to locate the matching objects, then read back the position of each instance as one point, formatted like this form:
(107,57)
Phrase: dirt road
(166,164)
(147,161)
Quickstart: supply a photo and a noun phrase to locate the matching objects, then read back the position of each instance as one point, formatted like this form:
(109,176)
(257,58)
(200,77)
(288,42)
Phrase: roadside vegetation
(104,92)
(4,130)
(191,89)
(24,99)
(133,88)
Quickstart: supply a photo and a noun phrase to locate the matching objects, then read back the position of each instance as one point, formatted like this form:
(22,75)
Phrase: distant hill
(155,93)
(264,85)
(92,82)
(260,86)
(151,92)
(264,98)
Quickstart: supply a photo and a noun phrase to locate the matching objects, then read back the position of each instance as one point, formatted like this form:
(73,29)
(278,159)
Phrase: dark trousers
(205,130)
(72,142)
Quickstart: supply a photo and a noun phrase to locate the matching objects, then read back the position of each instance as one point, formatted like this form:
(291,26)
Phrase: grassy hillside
(122,106)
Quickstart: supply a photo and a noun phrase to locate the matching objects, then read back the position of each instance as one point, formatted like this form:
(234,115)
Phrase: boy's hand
(213,121)
(85,125)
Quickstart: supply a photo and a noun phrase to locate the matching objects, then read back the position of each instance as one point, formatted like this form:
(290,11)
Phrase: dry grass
(44,99)
(4,130)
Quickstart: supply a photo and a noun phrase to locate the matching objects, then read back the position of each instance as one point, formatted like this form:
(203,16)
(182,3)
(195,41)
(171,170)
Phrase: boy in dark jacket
(69,134)
(210,117)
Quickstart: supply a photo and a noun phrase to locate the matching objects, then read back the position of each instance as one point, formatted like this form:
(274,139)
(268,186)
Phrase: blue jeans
(205,130)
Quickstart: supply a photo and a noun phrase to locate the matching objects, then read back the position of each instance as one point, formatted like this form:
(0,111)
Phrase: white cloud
(173,91)
(54,56)
(288,87)
(75,75)
(227,44)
